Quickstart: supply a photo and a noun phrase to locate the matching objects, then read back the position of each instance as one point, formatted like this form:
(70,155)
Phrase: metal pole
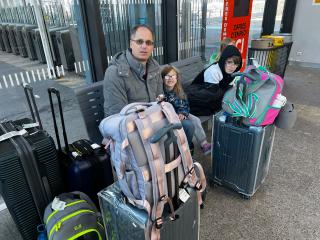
(44,34)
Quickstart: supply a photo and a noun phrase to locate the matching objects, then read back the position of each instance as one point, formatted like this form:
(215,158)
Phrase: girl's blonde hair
(224,43)
(178,87)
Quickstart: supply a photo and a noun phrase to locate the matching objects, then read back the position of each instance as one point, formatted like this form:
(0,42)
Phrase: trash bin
(275,59)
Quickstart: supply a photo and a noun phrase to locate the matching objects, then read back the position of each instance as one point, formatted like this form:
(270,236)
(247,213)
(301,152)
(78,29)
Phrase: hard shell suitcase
(29,173)
(123,221)
(86,166)
(241,154)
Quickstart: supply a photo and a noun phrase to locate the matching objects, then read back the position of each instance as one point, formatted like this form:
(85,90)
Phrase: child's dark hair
(236,59)
(178,87)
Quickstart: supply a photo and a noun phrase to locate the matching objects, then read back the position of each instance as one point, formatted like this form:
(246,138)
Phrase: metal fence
(191,27)
(119,16)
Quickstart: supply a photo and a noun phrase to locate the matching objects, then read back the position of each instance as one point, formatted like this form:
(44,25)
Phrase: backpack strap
(190,176)
(157,169)
(141,203)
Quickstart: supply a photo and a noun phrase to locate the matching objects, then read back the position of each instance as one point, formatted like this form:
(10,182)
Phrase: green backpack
(73,216)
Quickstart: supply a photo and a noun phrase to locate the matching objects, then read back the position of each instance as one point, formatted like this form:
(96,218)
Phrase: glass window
(256,19)
(213,28)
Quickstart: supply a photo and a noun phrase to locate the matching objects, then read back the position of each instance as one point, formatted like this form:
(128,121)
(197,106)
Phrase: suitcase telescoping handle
(28,91)
(57,93)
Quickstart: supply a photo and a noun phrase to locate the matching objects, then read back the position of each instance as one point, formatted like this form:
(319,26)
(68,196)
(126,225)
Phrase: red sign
(236,24)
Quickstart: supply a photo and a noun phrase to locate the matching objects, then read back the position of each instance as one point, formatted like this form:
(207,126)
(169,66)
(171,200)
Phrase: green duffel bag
(72,216)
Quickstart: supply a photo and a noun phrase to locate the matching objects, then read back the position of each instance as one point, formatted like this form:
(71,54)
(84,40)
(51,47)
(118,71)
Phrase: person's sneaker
(206,148)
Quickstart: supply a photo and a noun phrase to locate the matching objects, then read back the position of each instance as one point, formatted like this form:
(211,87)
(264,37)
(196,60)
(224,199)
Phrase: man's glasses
(167,77)
(230,62)
(141,41)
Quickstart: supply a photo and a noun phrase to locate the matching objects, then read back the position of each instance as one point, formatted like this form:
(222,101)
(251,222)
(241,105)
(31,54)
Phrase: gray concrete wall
(306,36)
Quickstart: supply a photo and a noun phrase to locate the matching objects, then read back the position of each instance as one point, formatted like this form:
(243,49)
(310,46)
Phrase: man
(133,76)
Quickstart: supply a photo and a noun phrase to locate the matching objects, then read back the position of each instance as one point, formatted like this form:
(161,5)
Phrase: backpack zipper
(68,205)
(57,226)
(85,232)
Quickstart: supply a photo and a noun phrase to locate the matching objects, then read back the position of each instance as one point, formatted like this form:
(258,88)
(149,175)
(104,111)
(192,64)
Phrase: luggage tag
(58,205)
(183,195)
(95,146)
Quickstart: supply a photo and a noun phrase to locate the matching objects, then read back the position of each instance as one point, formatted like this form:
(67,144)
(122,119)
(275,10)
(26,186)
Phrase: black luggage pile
(29,171)
(33,171)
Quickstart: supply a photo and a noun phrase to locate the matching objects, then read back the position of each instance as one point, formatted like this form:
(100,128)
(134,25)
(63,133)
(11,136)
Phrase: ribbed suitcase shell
(241,155)
(26,211)
(123,221)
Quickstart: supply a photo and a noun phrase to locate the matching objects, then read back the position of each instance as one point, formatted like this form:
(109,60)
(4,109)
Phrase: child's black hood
(228,52)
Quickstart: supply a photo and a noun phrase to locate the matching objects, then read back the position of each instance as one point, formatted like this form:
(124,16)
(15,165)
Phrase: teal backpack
(73,216)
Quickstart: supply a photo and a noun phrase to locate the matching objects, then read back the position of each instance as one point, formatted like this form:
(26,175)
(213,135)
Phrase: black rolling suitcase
(86,166)
(29,173)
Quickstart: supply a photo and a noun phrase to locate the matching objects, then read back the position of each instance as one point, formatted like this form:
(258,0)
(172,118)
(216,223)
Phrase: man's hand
(182,117)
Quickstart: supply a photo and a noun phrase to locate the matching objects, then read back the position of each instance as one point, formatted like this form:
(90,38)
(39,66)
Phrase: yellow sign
(316,2)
